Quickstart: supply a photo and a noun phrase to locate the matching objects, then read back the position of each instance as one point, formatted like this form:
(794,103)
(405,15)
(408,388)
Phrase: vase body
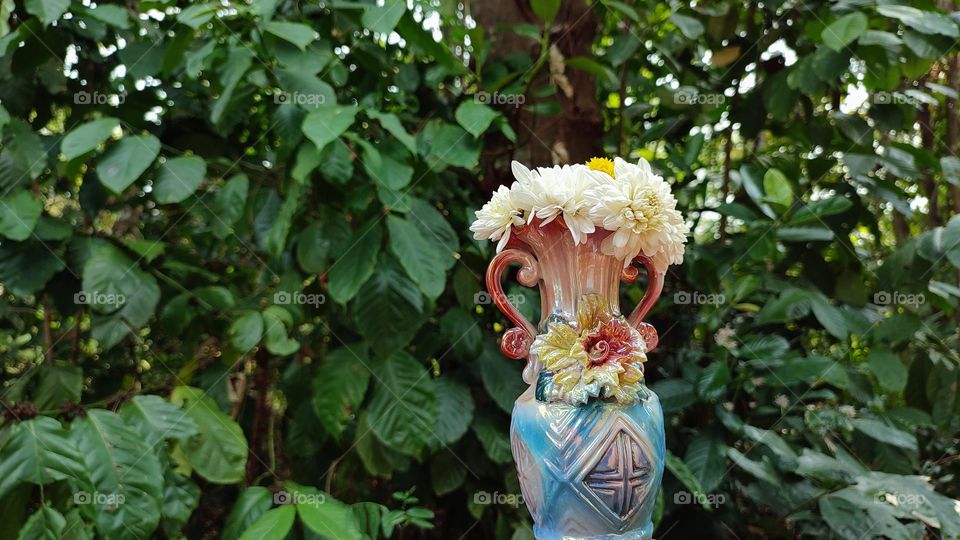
(588,468)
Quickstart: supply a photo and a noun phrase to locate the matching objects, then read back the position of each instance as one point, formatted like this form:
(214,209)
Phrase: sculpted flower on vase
(603,359)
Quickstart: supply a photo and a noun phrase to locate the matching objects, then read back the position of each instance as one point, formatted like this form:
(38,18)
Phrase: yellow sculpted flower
(601,357)
(601,164)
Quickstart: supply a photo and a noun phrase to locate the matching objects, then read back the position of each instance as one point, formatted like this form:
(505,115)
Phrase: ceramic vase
(589,468)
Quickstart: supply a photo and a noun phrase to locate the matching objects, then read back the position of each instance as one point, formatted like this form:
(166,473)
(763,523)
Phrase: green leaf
(45,524)
(121,296)
(927,22)
(546,10)
(475,117)
(38,451)
(228,204)
(844,30)
(880,431)
(323,514)
(126,475)
(690,27)
(156,419)
(403,407)
(383,19)
(493,437)
(502,378)
(246,331)
(111,14)
(272,525)
(706,458)
(25,267)
(218,452)
(817,210)
(326,124)
(392,124)
(443,144)
(180,498)
(682,472)
(252,503)
(889,370)
(275,322)
(712,382)
(239,60)
(339,386)
(388,311)
(197,15)
(447,473)
(57,385)
(454,411)
(418,255)
(178,178)
(829,316)
(47,10)
(126,160)
(19,214)
(25,151)
(300,35)
(777,189)
(355,265)
(87,137)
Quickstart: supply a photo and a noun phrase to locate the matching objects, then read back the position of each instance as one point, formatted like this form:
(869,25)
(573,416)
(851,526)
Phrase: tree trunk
(573,135)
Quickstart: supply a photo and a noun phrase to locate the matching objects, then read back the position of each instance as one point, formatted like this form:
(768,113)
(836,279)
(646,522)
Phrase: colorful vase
(587,435)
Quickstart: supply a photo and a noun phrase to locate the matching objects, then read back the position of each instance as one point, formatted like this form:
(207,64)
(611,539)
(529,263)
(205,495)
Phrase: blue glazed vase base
(645,533)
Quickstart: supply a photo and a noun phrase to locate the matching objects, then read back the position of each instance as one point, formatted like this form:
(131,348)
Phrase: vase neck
(568,271)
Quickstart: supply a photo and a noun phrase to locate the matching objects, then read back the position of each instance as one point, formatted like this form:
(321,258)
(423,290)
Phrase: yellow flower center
(601,164)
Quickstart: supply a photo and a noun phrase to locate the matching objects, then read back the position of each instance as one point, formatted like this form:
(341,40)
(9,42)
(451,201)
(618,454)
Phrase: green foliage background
(239,299)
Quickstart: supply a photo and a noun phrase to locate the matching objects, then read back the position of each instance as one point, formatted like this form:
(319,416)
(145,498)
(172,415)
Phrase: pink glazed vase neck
(565,272)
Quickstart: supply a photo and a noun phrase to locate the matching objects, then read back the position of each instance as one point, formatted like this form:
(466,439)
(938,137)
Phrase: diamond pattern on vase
(619,476)
(564,424)
(531,481)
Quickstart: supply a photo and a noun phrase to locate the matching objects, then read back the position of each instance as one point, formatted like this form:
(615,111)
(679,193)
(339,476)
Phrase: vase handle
(654,288)
(516,341)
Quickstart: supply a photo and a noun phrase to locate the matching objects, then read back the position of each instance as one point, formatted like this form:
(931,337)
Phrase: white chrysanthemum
(640,209)
(551,192)
(497,218)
